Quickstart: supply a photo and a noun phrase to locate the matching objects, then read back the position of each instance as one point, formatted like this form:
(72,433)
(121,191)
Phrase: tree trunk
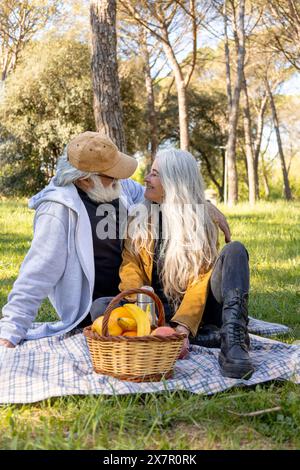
(229,97)
(183,115)
(106,86)
(4,65)
(257,144)
(227,58)
(265,177)
(181,94)
(223,197)
(249,145)
(287,189)
(211,174)
(152,118)
(234,112)
(156,18)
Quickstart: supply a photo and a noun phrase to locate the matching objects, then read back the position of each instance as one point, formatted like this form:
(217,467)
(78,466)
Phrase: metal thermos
(143,300)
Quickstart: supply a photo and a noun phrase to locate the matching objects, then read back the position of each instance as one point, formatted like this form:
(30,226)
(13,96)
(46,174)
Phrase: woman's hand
(185,347)
(6,343)
(220,220)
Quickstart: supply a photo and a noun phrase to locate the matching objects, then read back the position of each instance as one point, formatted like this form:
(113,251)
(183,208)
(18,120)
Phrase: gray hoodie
(59,264)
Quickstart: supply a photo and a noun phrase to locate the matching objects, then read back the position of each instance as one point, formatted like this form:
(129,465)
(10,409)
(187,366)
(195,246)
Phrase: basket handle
(116,300)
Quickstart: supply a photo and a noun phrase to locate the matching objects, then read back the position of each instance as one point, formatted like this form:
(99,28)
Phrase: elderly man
(69,261)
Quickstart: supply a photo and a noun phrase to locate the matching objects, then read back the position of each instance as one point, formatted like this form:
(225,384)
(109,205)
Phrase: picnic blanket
(61,365)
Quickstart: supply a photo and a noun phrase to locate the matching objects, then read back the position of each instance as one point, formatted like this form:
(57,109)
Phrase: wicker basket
(138,359)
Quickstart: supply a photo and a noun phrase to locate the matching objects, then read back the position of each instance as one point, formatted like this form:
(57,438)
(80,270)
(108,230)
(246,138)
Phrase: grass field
(176,420)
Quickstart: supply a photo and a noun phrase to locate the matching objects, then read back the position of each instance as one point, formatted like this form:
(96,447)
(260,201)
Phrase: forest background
(220,78)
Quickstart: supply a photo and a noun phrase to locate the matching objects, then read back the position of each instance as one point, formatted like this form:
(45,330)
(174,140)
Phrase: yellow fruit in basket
(97,325)
(114,328)
(130,333)
(141,318)
(119,312)
(148,312)
(127,324)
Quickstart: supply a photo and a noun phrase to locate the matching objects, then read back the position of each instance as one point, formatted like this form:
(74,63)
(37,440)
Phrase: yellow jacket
(136,271)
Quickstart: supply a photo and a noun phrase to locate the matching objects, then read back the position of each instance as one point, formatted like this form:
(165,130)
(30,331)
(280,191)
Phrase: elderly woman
(173,248)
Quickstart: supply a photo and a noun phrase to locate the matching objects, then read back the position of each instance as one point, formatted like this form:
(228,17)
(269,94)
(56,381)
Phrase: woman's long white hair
(189,243)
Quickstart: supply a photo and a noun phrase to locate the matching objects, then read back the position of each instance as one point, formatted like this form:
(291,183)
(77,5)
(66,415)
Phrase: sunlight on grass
(173,420)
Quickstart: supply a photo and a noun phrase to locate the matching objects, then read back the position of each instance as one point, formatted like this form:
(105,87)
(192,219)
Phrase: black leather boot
(234,358)
(208,336)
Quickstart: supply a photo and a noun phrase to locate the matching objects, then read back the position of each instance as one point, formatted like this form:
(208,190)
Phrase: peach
(163,331)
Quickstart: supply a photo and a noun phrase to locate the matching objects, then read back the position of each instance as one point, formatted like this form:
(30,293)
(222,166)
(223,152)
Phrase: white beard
(99,193)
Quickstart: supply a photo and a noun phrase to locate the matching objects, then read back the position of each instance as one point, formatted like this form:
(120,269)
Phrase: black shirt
(107,251)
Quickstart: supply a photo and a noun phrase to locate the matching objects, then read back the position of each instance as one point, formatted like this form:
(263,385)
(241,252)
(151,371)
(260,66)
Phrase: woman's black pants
(231,271)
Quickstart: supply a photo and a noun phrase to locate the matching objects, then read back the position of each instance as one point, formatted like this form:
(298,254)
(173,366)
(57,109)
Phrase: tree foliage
(47,101)
(283,21)
(48,94)
(19,21)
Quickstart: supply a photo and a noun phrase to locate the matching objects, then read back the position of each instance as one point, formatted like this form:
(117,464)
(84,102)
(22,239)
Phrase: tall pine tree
(106,86)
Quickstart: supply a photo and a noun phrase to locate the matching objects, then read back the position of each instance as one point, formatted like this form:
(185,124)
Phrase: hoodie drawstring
(69,231)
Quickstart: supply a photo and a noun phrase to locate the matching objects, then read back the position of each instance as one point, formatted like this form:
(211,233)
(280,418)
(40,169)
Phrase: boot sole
(234,371)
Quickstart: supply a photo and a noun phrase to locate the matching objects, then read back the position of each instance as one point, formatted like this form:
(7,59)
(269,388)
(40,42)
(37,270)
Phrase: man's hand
(185,347)
(6,343)
(220,220)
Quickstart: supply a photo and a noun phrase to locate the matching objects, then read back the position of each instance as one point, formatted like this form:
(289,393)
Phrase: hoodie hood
(69,196)
(66,195)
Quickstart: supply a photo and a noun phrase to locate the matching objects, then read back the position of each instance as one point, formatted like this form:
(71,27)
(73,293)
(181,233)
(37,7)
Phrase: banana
(141,318)
(127,324)
(148,312)
(97,325)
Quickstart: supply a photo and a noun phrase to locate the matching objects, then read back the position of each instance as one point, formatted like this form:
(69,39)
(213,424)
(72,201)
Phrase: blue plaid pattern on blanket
(264,328)
(61,365)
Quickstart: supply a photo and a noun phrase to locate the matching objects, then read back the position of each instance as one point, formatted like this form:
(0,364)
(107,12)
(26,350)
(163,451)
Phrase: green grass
(176,420)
